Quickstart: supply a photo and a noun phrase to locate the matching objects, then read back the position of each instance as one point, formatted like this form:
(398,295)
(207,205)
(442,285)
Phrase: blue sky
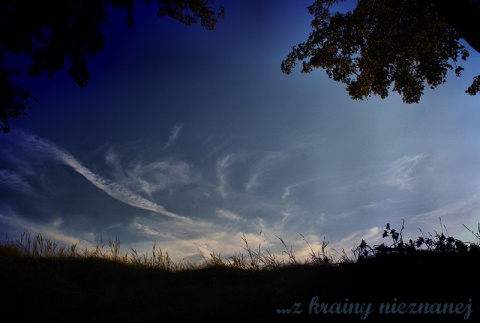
(190,138)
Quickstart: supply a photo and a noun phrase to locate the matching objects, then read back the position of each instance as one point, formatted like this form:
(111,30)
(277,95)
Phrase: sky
(190,138)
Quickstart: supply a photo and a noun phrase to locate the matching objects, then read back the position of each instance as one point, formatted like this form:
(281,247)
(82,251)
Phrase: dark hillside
(430,286)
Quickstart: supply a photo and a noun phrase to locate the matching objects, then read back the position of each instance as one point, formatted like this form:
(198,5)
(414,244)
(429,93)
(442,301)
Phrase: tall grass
(257,257)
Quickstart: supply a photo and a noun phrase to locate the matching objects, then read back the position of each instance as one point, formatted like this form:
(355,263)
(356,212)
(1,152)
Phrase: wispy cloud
(149,177)
(467,208)
(137,225)
(173,134)
(402,171)
(111,188)
(160,175)
(253,182)
(112,159)
(250,169)
(221,168)
(289,189)
(260,168)
(13,181)
(226,214)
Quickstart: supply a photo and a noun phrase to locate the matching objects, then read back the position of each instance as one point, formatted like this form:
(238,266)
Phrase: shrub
(438,243)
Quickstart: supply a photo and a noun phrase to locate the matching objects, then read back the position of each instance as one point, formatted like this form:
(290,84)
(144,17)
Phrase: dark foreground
(429,287)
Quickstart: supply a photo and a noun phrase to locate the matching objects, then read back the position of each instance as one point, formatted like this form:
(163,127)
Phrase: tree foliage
(383,45)
(51,33)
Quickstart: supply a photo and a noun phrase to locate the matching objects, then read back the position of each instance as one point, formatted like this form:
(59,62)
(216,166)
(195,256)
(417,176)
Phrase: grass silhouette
(432,278)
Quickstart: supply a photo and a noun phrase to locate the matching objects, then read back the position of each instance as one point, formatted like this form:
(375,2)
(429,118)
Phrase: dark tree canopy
(51,33)
(383,45)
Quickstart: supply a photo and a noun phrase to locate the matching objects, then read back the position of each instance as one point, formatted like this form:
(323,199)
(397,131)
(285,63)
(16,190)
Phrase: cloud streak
(466,208)
(111,188)
(226,214)
(289,189)
(16,182)
(149,177)
(402,171)
(173,134)
(267,162)
(222,165)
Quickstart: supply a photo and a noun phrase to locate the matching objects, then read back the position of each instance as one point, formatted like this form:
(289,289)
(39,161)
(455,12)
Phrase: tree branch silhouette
(55,33)
(383,45)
